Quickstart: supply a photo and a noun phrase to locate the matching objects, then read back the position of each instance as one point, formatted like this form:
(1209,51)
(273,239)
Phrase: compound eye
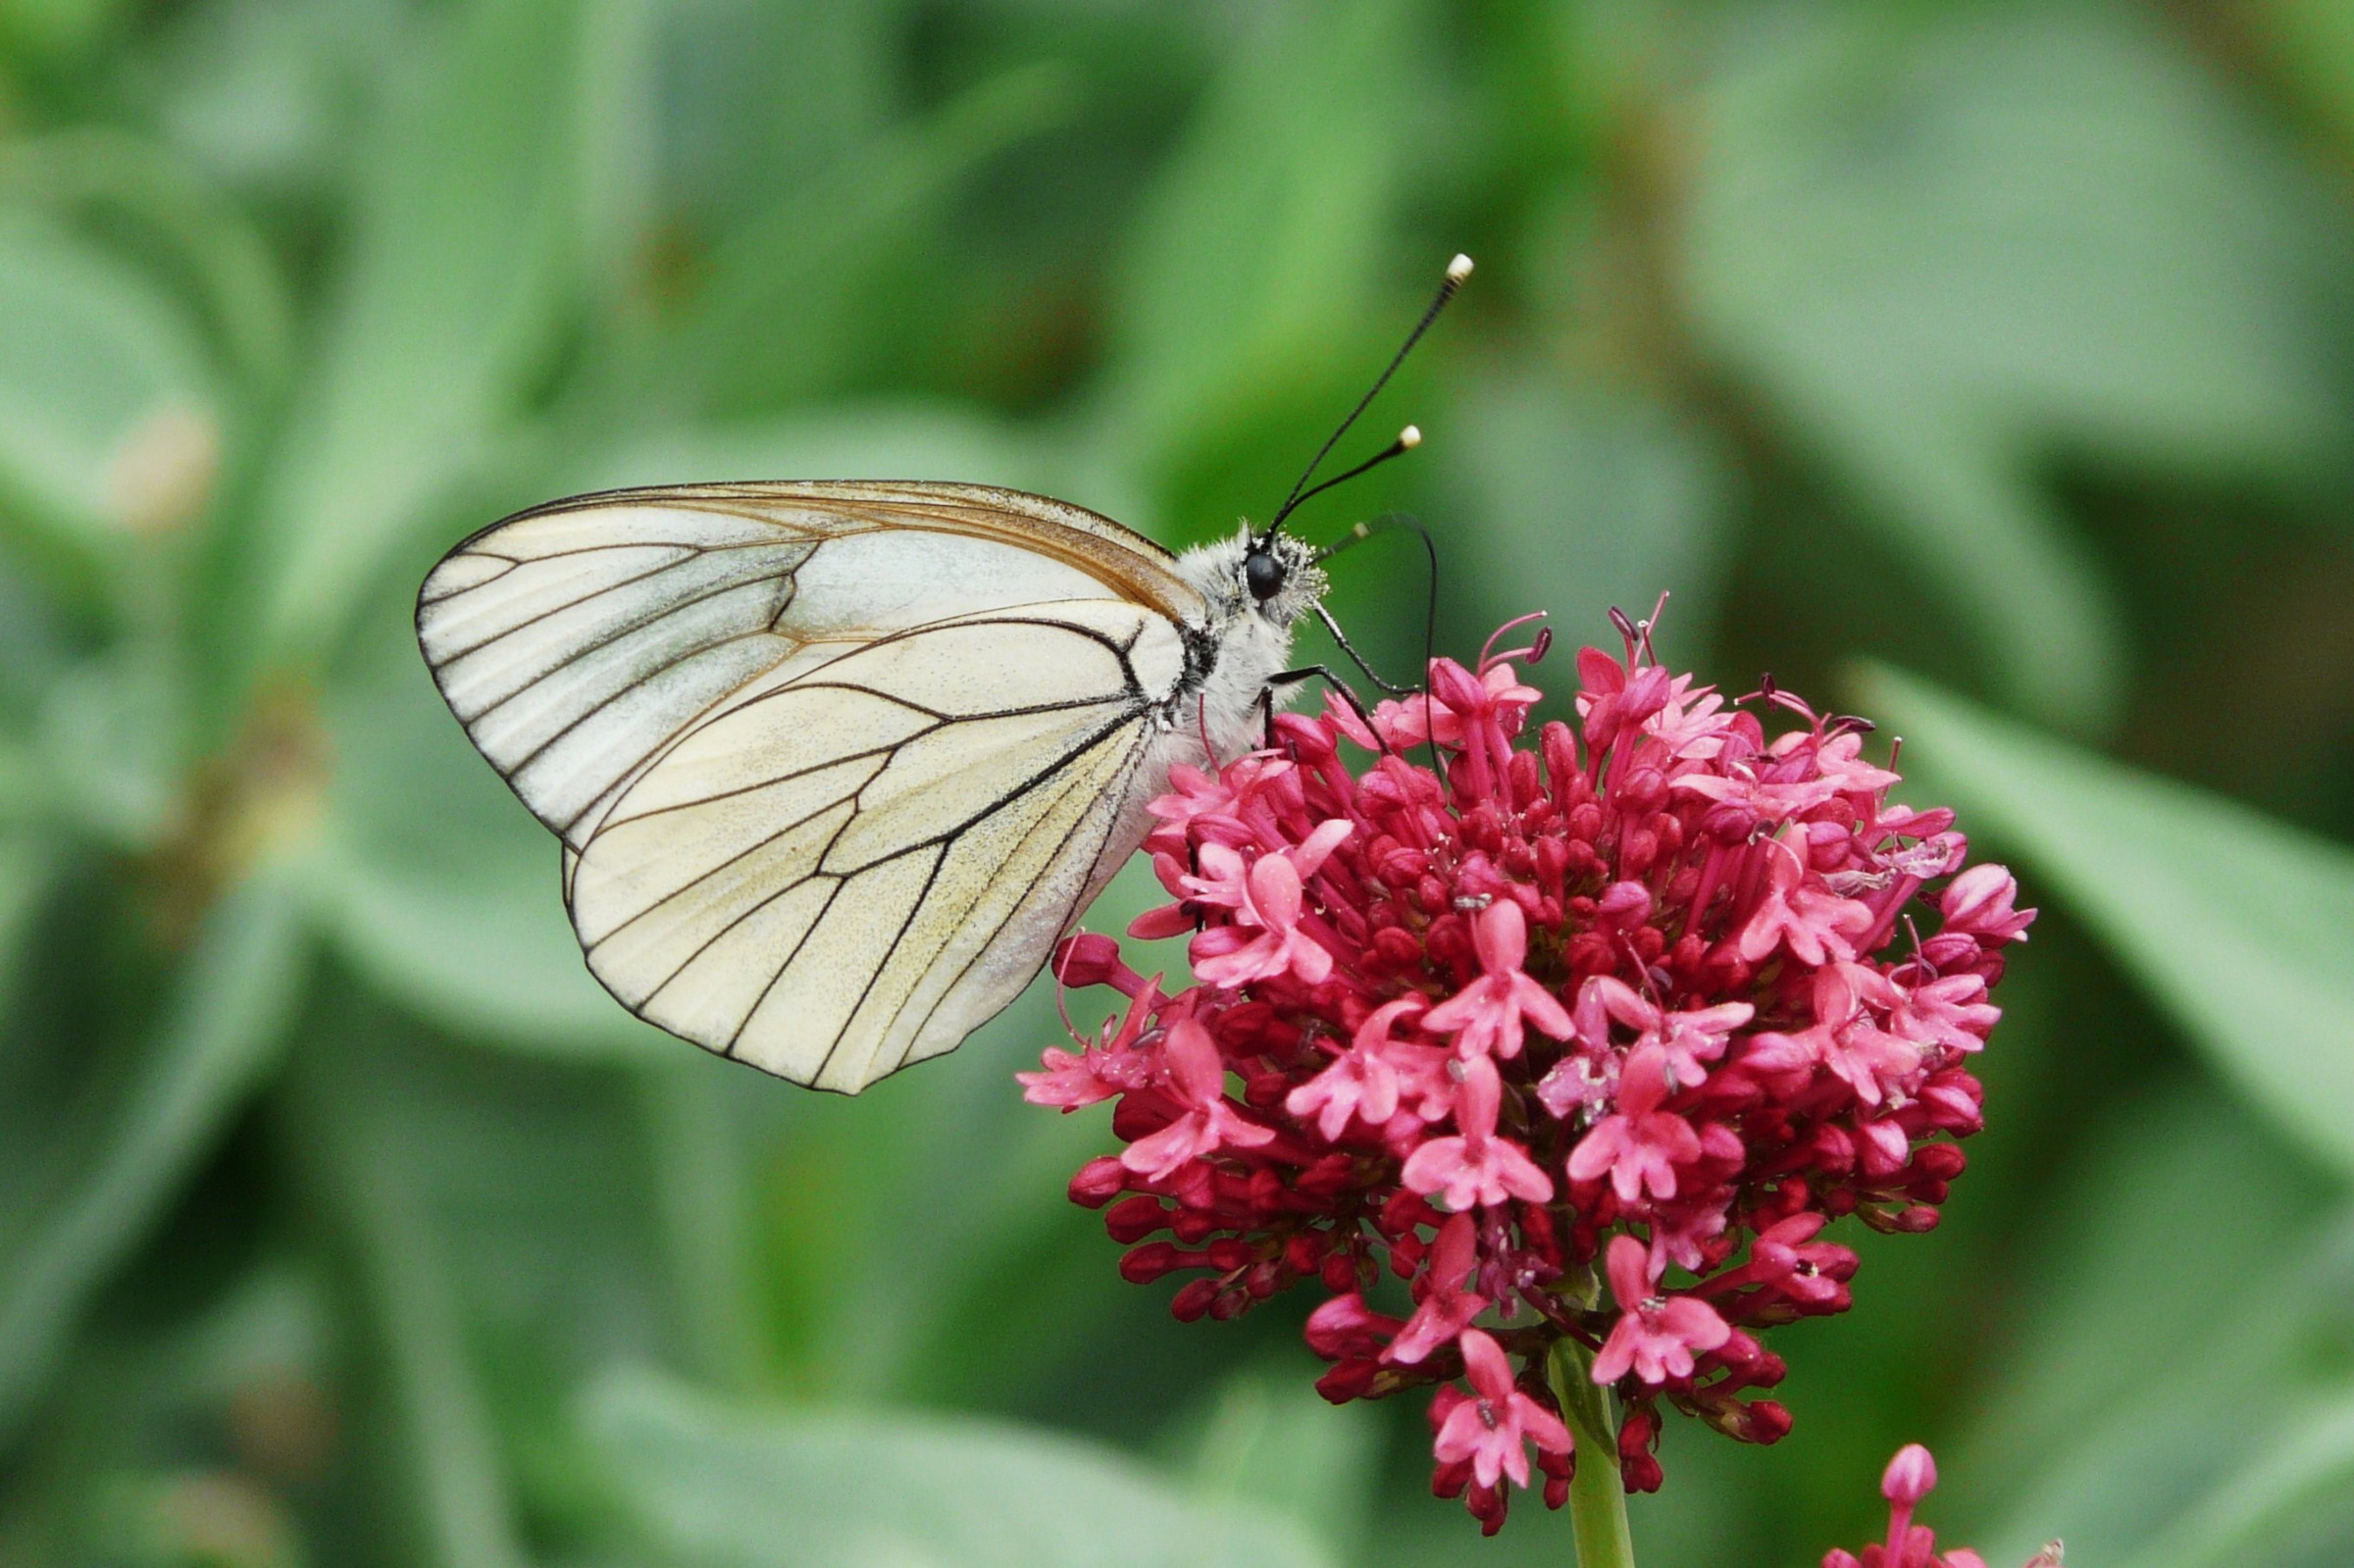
(1263,573)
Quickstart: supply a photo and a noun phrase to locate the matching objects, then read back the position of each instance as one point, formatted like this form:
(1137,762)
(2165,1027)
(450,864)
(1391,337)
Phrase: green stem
(1597,1498)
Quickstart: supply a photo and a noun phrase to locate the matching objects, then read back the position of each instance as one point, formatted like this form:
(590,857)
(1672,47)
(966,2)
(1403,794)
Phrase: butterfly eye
(1263,573)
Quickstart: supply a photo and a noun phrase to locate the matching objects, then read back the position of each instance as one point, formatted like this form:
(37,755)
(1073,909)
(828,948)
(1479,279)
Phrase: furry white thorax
(1252,639)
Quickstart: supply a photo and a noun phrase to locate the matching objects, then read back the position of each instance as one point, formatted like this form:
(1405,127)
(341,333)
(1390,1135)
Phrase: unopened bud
(1911,1476)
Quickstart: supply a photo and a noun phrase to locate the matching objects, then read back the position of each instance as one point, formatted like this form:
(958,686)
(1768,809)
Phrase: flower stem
(1597,1497)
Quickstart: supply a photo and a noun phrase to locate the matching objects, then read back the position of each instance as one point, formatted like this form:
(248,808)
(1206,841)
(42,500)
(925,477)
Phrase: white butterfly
(835,764)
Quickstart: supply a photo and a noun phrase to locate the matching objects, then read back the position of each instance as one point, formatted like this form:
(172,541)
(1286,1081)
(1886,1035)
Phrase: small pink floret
(1656,1335)
(1485,1016)
(1478,1167)
(1197,1079)
(1493,1426)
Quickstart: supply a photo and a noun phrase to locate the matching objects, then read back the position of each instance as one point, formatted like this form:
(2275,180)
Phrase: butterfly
(835,764)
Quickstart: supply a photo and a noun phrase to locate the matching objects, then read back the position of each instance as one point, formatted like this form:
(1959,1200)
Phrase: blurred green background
(1985,368)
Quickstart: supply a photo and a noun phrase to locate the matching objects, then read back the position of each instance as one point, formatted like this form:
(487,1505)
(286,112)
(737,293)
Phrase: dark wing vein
(1045,870)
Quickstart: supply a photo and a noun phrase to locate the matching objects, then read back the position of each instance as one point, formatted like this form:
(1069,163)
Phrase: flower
(1493,1426)
(1478,1167)
(1485,1016)
(1207,1122)
(1374,1077)
(1909,1477)
(1447,1307)
(1657,1337)
(1637,1000)
(1266,897)
(1637,1147)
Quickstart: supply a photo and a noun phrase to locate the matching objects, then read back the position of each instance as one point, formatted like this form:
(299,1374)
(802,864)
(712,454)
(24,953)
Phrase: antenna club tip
(1409,437)
(1459,269)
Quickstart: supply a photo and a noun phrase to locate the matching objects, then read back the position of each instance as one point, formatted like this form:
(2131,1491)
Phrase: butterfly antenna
(1407,440)
(1355,657)
(1456,271)
(1386,524)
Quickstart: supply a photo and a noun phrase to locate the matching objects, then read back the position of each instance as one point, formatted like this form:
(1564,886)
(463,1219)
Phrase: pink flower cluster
(1909,1477)
(1584,1042)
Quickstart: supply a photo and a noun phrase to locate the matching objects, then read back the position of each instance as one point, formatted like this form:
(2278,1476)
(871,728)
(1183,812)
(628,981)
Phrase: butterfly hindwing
(807,875)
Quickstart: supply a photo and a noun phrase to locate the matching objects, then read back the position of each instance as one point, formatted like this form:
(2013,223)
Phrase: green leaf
(2309,50)
(734,139)
(107,422)
(864,1317)
(2155,1209)
(210,247)
(2240,926)
(902,439)
(109,749)
(271,96)
(100,1184)
(545,1227)
(364,1176)
(1950,247)
(461,266)
(2292,1500)
(30,868)
(1268,1438)
(1577,502)
(436,885)
(1256,257)
(702,1195)
(787,294)
(57,33)
(716,1486)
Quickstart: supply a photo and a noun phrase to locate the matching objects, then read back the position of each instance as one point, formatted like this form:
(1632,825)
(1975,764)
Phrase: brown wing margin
(1136,568)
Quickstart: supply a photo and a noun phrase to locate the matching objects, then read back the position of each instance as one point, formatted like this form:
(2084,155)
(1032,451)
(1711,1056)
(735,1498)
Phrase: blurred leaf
(208,245)
(108,748)
(122,1467)
(93,1201)
(106,420)
(862,1316)
(265,95)
(703,1193)
(2176,1197)
(2309,44)
(873,440)
(1259,251)
(732,138)
(537,1232)
(2293,1500)
(30,866)
(57,32)
(777,314)
(2240,926)
(435,881)
(1580,502)
(364,1179)
(619,108)
(460,269)
(1951,247)
(841,1489)
(1269,1439)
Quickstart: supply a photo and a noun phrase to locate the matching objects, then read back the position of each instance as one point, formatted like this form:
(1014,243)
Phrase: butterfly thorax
(1253,592)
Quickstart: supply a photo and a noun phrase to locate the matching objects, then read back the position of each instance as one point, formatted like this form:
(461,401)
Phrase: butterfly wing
(833,765)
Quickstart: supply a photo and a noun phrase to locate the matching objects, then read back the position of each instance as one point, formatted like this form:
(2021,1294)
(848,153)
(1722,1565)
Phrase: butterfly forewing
(832,764)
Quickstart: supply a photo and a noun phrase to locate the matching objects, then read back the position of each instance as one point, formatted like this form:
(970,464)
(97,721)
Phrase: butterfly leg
(1292,677)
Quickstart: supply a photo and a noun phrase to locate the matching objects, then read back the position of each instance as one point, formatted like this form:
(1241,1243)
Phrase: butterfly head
(1271,575)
